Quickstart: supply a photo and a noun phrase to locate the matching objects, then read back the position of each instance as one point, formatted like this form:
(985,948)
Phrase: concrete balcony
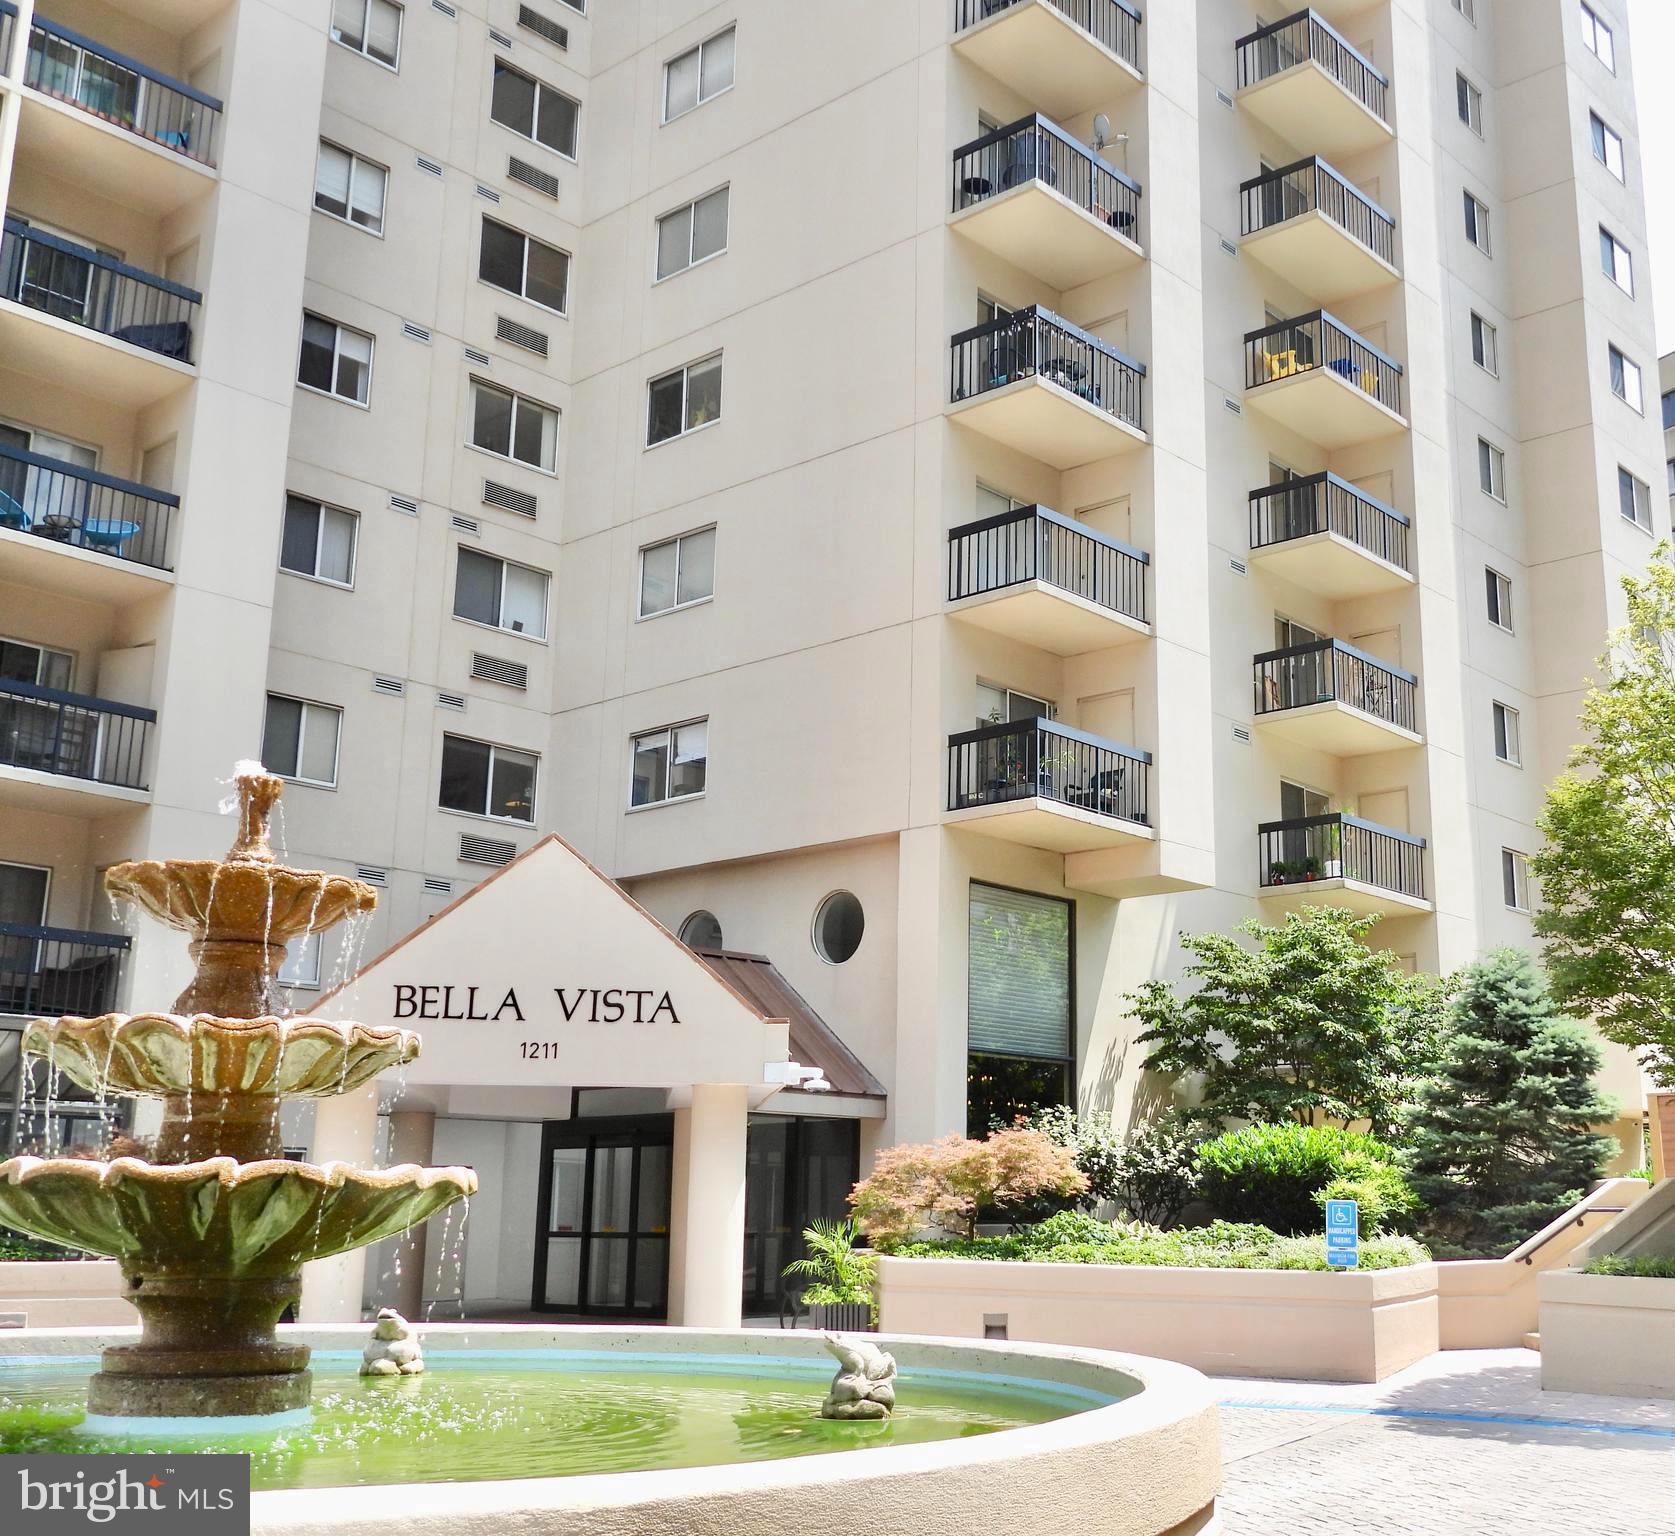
(46,971)
(71,753)
(1066,56)
(1046,388)
(1314,228)
(1330,697)
(1317,377)
(1341,861)
(1047,581)
(1036,198)
(1045,785)
(1322,533)
(1301,78)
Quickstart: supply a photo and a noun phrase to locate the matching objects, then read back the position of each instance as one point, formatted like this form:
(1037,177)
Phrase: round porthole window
(838,926)
(701,931)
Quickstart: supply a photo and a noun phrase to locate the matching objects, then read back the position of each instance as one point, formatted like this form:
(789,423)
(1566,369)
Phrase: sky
(1652,35)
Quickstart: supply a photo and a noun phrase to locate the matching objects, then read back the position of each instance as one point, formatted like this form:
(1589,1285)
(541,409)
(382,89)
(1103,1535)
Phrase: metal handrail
(1308,185)
(1031,342)
(1328,671)
(1319,340)
(1340,846)
(1304,37)
(1043,759)
(1113,24)
(1036,544)
(1327,503)
(73,735)
(1035,148)
(85,509)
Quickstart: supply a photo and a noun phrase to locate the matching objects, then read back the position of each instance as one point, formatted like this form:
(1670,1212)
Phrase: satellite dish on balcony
(1101,130)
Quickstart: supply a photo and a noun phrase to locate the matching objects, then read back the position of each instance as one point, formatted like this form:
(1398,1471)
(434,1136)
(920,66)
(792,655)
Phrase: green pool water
(473,1417)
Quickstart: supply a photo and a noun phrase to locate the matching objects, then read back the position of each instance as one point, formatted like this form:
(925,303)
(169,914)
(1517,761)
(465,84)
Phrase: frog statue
(393,1349)
(865,1384)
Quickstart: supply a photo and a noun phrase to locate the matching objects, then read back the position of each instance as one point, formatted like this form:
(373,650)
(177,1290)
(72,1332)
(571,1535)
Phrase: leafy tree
(1503,1139)
(1607,872)
(1308,1025)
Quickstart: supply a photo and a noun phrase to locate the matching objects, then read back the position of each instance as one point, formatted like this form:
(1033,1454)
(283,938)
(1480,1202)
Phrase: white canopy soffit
(549,974)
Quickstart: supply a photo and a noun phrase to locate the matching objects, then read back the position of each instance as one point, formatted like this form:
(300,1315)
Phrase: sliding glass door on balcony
(51,487)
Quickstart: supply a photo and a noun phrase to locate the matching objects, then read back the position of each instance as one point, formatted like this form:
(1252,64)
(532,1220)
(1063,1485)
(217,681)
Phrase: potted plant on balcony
(1280,871)
(1311,868)
(839,1294)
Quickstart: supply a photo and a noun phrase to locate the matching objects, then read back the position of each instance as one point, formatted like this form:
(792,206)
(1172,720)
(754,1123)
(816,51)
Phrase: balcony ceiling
(1331,726)
(65,142)
(1047,422)
(45,565)
(32,343)
(1047,59)
(1049,618)
(1351,895)
(1319,258)
(1041,232)
(1330,566)
(23,789)
(1307,108)
(1325,408)
(1049,824)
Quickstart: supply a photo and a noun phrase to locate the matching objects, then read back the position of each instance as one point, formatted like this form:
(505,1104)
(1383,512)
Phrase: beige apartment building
(938,495)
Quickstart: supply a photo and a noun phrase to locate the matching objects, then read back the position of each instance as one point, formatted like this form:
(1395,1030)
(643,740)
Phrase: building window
(319,541)
(1506,734)
(1597,38)
(839,923)
(1491,470)
(372,27)
(1625,380)
(692,78)
(1634,499)
(523,104)
(301,967)
(513,427)
(670,763)
(496,592)
(692,233)
(684,400)
(1669,411)
(677,572)
(1019,1041)
(1483,344)
(350,188)
(299,740)
(1515,880)
(1608,145)
(1669,474)
(335,360)
(1468,102)
(1498,590)
(1467,8)
(21,662)
(1477,222)
(701,930)
(1615,261)
(485,780)
(525,266)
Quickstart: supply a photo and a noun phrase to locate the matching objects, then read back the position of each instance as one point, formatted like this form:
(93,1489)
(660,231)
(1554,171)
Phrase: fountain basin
(240,901)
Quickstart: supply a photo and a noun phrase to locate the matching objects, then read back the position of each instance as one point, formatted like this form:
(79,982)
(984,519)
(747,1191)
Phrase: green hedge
(1648,1266)
(1279,1175)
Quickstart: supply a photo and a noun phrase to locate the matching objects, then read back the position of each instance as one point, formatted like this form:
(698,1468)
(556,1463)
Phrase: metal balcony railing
(1113,24)
(1036,149)
(58,970)
(1035,544)
(8,23)
(1311,185)
(1028,759)
(84,509)
(1328,671)
(86,287)
(121,90)
(47,730)
(1324,503)
(1340,847)
(1305,37)
(1034,342)
(1318,340)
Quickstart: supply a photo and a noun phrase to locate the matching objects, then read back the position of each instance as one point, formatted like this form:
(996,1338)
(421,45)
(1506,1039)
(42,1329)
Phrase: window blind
(1019,974)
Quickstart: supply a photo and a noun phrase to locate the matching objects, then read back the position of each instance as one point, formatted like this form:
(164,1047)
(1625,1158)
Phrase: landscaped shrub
(1648,1266)
(20,1246)
(1150,1175)
(1273,1174)
(1094,1144)
(1384,1200)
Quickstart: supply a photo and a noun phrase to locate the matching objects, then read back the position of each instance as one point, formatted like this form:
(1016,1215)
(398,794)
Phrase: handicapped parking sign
(1343,1234)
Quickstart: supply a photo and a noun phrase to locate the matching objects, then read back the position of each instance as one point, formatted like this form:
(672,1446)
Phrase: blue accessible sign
(1343,1234)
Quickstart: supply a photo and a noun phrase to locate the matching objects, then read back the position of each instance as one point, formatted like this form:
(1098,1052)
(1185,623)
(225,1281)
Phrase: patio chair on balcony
(1104,791)
(171,338)
(1344,367)
(13,514)
(107,535)
(1280,365)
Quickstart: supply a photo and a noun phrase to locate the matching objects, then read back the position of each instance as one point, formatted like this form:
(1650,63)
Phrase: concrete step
(1533,1341)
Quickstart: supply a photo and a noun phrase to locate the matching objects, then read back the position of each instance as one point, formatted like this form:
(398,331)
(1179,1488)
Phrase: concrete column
(706,1244)
(11,104)
(345,1130)
(412,1139)
(1662,1108)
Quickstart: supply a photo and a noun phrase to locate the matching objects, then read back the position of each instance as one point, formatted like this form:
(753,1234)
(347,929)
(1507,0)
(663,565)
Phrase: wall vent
(500,39)
(429,167)
(404,504)
(372,874)
(393,686)
(485,850)
(443,6)
(520,335)
(558,36)
(496,669)
(1228,246)
(533,176)
(415,332)
(481,359)
(467,524)
(1223,97)
(1238,566)
(436,886)
(509,498)
(1241,734)
(1230,404)
(450,700)
(488,192)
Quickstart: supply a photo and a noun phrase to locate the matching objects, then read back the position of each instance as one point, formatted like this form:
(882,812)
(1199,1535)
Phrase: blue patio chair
(108,535)
(13,514)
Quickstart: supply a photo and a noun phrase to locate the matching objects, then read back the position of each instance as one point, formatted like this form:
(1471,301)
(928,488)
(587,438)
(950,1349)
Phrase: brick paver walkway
(1446,1448)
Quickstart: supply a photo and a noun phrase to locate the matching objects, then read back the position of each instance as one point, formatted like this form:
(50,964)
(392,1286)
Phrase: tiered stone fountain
(212,1230)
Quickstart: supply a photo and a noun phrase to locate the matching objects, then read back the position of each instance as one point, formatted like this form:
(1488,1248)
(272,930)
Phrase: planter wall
(1610,1334)
(68,1293)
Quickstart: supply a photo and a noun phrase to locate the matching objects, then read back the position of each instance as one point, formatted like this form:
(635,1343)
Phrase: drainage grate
(520,335)
(496,669)
(535,22)
(393,686)
(509,498)
(533,176)
(485,850)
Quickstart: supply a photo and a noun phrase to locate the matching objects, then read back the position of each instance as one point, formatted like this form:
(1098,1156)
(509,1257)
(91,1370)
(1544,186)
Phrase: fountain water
(211,1231)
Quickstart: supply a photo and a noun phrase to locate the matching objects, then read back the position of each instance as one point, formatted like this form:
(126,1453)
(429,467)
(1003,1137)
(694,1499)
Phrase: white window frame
(518,399)
(1485,345)
(692,602)
(669,731)
(685,372)
(319,539)
(1467,8)
(1482,241)
(1592,28)
(356,161)
(1640,498)
(698,48)
(1630,370)
(310,946)
(690,206)
(572,156)
(1602,153)
(1515,873)
(488,815)
(505,565)
(366,32)
(528,240)
(302,738)
(1500,615)
(1622,259)
(338,328)
(1472,117)
(1505,725)
(1495,490)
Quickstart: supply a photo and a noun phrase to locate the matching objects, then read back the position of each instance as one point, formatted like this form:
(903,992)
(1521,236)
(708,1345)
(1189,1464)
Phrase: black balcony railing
(1312,185)
(1305,38)
(49,731)
(1324,503)
(1036,149)
(121,90)
(1028,759)
(1034,544)
(1319,341)
(86,287)
(1034,342)
(1339,847)
(1114,24)
(57,970)
(84,509)
(1328,671)
(8,21)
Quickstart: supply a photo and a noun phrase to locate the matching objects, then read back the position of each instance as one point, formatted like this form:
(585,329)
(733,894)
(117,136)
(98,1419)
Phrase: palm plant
(840,1273)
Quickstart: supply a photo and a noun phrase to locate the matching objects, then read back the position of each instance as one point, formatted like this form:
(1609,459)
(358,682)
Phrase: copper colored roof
(814,1043)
